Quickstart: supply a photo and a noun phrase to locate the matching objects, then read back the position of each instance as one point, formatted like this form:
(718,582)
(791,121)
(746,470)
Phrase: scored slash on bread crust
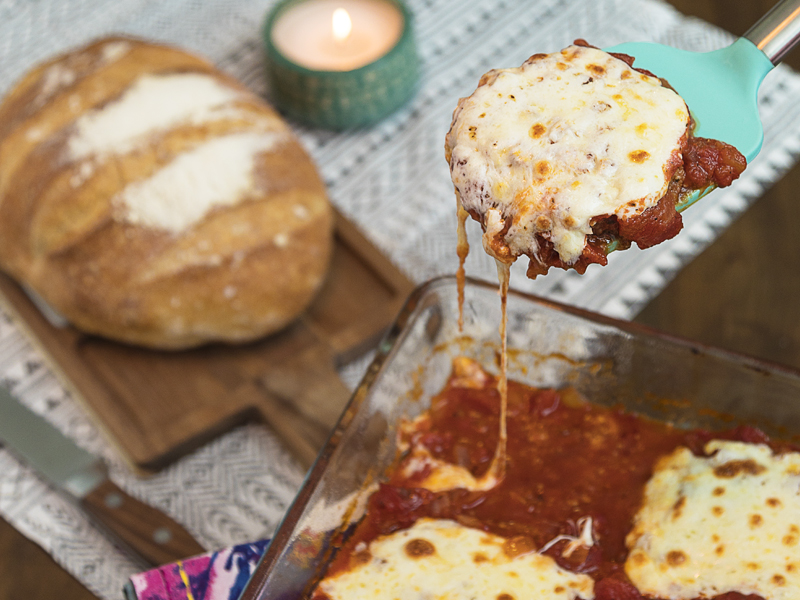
(224,252)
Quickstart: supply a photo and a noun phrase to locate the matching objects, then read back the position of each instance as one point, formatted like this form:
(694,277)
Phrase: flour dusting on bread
(154,103)
(215,174)
(113,51)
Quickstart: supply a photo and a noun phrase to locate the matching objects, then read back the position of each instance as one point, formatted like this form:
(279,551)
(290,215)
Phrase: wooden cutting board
(156,406)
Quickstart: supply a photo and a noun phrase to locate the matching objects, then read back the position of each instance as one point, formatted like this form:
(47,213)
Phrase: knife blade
(145,530)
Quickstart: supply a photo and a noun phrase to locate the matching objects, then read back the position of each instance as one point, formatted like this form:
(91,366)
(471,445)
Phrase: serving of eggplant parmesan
(577,150)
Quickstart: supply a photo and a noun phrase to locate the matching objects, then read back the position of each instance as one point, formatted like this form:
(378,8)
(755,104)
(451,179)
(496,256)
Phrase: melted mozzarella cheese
(710,525)
(547,147)
(439,559)
(441,475)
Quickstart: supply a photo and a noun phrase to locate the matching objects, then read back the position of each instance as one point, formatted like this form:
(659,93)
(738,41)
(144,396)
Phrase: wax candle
(340,63)
(337,35)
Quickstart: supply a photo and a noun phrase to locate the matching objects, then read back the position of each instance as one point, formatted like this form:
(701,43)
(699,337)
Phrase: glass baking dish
(609,361)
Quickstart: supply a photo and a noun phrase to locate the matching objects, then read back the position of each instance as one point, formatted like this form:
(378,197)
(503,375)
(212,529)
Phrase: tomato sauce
(567,460)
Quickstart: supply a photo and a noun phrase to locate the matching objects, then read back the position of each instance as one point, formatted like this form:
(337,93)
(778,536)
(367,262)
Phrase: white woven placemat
(390,179)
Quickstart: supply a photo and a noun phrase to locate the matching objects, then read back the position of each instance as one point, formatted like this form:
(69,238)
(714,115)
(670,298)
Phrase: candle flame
(341,24)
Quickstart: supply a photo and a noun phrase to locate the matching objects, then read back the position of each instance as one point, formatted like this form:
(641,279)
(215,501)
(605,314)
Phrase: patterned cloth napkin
(392,180)
(213,576)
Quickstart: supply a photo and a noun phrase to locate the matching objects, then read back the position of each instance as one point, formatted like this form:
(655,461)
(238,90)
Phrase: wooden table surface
(740,294)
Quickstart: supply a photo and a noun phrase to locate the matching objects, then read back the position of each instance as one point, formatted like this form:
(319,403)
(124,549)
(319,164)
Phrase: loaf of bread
(154,200)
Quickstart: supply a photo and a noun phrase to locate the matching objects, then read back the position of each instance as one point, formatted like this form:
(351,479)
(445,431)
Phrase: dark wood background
(743,292)
(740,294)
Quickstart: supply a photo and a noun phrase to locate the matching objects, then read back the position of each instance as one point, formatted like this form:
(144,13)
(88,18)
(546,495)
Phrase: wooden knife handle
(147,531)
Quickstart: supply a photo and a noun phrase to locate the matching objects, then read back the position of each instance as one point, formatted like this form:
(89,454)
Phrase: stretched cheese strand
(497,469)
(462,249)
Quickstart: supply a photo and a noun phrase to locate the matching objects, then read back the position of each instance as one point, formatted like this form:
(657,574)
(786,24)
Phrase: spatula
(720,87)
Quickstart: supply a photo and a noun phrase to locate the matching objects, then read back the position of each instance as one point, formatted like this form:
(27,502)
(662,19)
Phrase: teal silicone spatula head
(720,87)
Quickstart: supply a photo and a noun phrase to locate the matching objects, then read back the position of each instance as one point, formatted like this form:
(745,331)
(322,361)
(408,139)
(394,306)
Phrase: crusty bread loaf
(154,200)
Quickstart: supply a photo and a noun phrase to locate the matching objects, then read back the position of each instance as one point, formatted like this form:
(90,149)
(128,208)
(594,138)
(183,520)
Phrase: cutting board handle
(303,400)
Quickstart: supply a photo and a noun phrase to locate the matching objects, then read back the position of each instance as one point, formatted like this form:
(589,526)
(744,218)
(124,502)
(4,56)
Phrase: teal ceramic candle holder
(342,99)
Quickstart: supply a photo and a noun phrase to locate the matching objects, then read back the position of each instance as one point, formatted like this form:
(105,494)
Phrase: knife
(147,531)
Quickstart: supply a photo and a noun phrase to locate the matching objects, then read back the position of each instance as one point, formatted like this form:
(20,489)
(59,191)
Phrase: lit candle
(337,35)
(340,63)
